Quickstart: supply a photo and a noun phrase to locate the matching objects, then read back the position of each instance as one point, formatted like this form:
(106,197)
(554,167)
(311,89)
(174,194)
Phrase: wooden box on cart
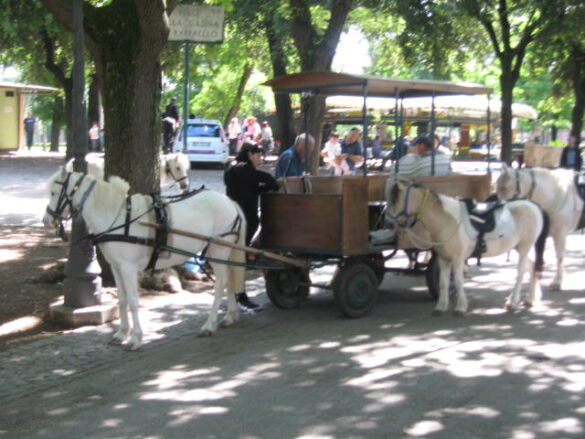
(331,220)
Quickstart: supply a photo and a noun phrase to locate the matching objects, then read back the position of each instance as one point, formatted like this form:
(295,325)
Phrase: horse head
(176,167)
(62,188)
(406,202)
(506,185)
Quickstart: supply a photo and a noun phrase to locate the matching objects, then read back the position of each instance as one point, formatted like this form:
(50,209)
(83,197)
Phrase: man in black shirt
(244,183)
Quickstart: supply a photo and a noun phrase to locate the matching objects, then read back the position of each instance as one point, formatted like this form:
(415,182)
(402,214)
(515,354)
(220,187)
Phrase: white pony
(102,205)
(444,218)
(555,192)
(173,167)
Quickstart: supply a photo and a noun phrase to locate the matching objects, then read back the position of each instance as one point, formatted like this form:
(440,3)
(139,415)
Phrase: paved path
(309,373)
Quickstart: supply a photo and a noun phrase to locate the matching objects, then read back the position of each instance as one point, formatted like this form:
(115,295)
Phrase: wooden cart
(328,219)
(331,225)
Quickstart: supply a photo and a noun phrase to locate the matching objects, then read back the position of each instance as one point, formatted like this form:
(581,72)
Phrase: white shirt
(413,165)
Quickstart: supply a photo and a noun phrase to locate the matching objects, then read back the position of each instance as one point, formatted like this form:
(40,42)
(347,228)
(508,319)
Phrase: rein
(66,200)
(170,174)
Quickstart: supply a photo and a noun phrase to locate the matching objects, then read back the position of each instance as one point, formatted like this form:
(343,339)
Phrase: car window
(202,130)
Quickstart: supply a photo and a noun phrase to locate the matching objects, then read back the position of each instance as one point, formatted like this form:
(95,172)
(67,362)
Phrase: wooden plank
(459,185)
(355,216)
(308,222)
(229,244)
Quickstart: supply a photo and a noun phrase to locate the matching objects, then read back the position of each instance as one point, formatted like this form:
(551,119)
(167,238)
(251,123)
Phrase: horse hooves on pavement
(458,313)
(205,333)
(115,342)
(132,348)
(438,313)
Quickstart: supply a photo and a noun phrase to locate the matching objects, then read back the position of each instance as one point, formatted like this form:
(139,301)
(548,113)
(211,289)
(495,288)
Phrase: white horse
(103,205)
(444,218)
(555,192)
(174,167)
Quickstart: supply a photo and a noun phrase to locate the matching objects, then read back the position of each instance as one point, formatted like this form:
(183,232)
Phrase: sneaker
(244,300)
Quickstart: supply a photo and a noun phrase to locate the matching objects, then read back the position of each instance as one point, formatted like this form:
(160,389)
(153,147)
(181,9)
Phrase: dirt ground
(25,253)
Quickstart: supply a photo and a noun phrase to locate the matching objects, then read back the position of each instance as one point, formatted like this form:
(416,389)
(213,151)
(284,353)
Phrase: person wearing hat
(243,184)
(170,125)
(419,162)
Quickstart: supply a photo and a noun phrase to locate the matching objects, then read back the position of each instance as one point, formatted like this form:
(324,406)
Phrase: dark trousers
(29,138)
(168,137)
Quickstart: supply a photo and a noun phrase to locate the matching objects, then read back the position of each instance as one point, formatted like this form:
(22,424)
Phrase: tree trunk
(316,54)
(56,122)
(507,89)
(93,101)
(284,114)
(239,93)
(125,38)
(126,55)
(578,83)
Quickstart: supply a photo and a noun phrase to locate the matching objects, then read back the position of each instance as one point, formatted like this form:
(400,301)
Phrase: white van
(206,141)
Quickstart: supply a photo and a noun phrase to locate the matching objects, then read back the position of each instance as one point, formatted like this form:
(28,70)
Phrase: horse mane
(108,193)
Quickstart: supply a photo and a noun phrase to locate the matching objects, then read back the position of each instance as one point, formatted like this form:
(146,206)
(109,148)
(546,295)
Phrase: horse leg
(535,292)
(210,326)
(130,279)
(235,284)
(513,300)
(444,275)
(559,240)
(122,333)
(461,304)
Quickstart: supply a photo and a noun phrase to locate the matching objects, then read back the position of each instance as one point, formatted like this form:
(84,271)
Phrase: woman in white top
(331,152)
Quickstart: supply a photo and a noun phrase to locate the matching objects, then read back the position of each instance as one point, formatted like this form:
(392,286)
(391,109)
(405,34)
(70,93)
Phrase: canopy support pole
(433,123)
(488,134)
(365,130)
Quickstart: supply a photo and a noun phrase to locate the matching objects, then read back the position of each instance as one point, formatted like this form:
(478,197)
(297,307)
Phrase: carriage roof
(331,83)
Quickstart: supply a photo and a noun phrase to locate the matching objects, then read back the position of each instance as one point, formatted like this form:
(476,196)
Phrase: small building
(12,112)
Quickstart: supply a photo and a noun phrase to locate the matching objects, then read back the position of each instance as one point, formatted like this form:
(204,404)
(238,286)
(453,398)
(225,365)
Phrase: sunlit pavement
(310,373)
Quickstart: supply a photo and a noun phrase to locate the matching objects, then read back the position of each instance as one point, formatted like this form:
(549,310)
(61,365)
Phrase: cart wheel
(356,289)
(284,287)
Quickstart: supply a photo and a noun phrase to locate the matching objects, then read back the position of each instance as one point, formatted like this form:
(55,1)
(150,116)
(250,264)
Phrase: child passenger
(332,154)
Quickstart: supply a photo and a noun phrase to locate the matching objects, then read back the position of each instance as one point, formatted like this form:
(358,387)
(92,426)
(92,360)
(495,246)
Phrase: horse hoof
(458,313)
(509,307)
(528,304)
(132,347)
(205,333)
(555,287)
(438,313)
(227,324)
(115,342)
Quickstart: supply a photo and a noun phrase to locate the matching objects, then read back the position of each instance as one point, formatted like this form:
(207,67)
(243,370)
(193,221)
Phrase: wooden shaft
(295,262)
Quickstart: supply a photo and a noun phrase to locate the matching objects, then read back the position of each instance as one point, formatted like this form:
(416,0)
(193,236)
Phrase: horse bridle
(169,173)
(66,200)
(410,219)
(518,193)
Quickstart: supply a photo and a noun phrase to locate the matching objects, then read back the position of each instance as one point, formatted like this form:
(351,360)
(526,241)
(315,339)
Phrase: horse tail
(540,242)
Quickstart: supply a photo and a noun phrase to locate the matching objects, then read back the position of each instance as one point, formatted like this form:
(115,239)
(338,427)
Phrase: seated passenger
(419,163)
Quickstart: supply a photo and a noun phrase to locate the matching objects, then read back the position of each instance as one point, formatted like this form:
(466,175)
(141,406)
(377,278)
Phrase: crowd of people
(250,131)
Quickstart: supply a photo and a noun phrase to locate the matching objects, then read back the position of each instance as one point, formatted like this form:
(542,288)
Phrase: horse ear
(63,169)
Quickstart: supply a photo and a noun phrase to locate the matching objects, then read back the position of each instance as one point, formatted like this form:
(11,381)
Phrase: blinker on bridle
(410,219)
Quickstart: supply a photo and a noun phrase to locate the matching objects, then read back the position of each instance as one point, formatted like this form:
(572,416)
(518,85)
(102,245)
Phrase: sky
(352,54)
